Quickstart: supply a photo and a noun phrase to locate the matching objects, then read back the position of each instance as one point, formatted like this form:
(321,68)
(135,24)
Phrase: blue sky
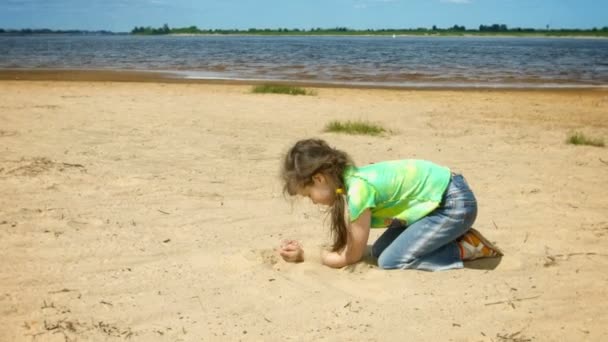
(123,15)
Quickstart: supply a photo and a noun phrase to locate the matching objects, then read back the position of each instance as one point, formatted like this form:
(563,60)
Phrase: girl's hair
(312,156)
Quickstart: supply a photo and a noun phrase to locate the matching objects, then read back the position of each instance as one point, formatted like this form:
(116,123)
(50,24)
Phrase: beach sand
(150,212)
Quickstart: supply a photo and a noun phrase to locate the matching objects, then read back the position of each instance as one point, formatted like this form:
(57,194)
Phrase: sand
(150,212)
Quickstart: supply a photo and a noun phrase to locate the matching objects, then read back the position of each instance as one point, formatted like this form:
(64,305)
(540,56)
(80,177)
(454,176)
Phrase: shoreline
(151,76)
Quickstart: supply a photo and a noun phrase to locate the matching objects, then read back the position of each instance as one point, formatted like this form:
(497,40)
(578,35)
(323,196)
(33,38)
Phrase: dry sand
(149,212)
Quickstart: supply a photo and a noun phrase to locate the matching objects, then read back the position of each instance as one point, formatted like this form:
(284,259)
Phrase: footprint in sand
(4,133)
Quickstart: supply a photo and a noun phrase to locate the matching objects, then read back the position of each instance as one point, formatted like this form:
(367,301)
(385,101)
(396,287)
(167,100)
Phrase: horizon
(311,29)
(118,15)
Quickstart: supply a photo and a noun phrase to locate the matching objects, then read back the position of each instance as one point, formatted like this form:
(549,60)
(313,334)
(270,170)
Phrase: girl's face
(320,191)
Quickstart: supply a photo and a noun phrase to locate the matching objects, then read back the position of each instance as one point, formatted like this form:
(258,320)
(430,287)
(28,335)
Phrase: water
(400,61)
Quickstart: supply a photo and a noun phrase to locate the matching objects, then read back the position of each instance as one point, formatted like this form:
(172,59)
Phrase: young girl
(428,210)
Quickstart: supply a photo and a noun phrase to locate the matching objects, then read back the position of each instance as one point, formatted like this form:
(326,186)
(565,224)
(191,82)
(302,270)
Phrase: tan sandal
(473,246)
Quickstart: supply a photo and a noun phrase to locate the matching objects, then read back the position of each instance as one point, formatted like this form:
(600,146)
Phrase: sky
(123,15)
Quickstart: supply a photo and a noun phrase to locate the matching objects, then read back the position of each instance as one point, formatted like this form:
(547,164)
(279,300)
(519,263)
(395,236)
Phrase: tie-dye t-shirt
(405,190)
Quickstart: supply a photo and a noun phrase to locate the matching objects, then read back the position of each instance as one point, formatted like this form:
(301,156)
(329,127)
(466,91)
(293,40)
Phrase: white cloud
(461,2)
(362,4)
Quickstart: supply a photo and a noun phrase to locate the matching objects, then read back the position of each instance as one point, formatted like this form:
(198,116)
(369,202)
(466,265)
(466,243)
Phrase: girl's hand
(291,251)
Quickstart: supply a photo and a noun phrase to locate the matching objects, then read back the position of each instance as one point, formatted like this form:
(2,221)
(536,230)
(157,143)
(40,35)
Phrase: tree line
(454,30)
(494,28)
(26,31)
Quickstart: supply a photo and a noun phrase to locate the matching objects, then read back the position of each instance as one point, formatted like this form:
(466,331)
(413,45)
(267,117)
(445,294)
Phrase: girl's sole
(485,241)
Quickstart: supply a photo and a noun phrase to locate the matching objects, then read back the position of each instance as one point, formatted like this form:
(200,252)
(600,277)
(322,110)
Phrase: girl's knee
(384,264)
(387,262)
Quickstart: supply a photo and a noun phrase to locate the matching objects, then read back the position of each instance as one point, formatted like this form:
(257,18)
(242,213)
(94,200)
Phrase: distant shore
(86,75)
(573,35)
(383,35)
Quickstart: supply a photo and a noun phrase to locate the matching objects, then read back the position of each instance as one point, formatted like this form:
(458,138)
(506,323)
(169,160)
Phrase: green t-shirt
(406,190)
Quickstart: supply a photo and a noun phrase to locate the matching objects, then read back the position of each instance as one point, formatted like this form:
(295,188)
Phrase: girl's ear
(318,178)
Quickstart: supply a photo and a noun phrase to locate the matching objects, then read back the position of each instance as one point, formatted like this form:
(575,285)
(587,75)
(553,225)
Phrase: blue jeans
(429,243)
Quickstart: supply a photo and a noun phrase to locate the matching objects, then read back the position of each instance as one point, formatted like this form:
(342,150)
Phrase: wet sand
(139,76)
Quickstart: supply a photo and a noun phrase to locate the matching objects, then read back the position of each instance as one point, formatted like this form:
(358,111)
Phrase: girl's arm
(356,243)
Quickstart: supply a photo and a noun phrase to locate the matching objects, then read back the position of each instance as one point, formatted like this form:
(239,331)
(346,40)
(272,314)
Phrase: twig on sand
(46,305)
(73,165)
(552,259)
(513,300)
(495,226)
(579,253)
(513,337)
(62,290)
(603,161)
(164,212)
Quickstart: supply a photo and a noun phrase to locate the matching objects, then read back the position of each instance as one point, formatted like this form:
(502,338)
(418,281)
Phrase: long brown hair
(312,156)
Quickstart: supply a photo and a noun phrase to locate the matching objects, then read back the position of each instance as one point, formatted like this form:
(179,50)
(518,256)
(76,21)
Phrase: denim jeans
(429,243)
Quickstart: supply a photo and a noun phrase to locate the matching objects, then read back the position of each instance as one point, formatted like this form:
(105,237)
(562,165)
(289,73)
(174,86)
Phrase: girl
(428,210)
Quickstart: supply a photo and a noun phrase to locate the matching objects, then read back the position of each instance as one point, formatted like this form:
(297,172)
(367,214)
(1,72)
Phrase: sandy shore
(172,77)
(149,211)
